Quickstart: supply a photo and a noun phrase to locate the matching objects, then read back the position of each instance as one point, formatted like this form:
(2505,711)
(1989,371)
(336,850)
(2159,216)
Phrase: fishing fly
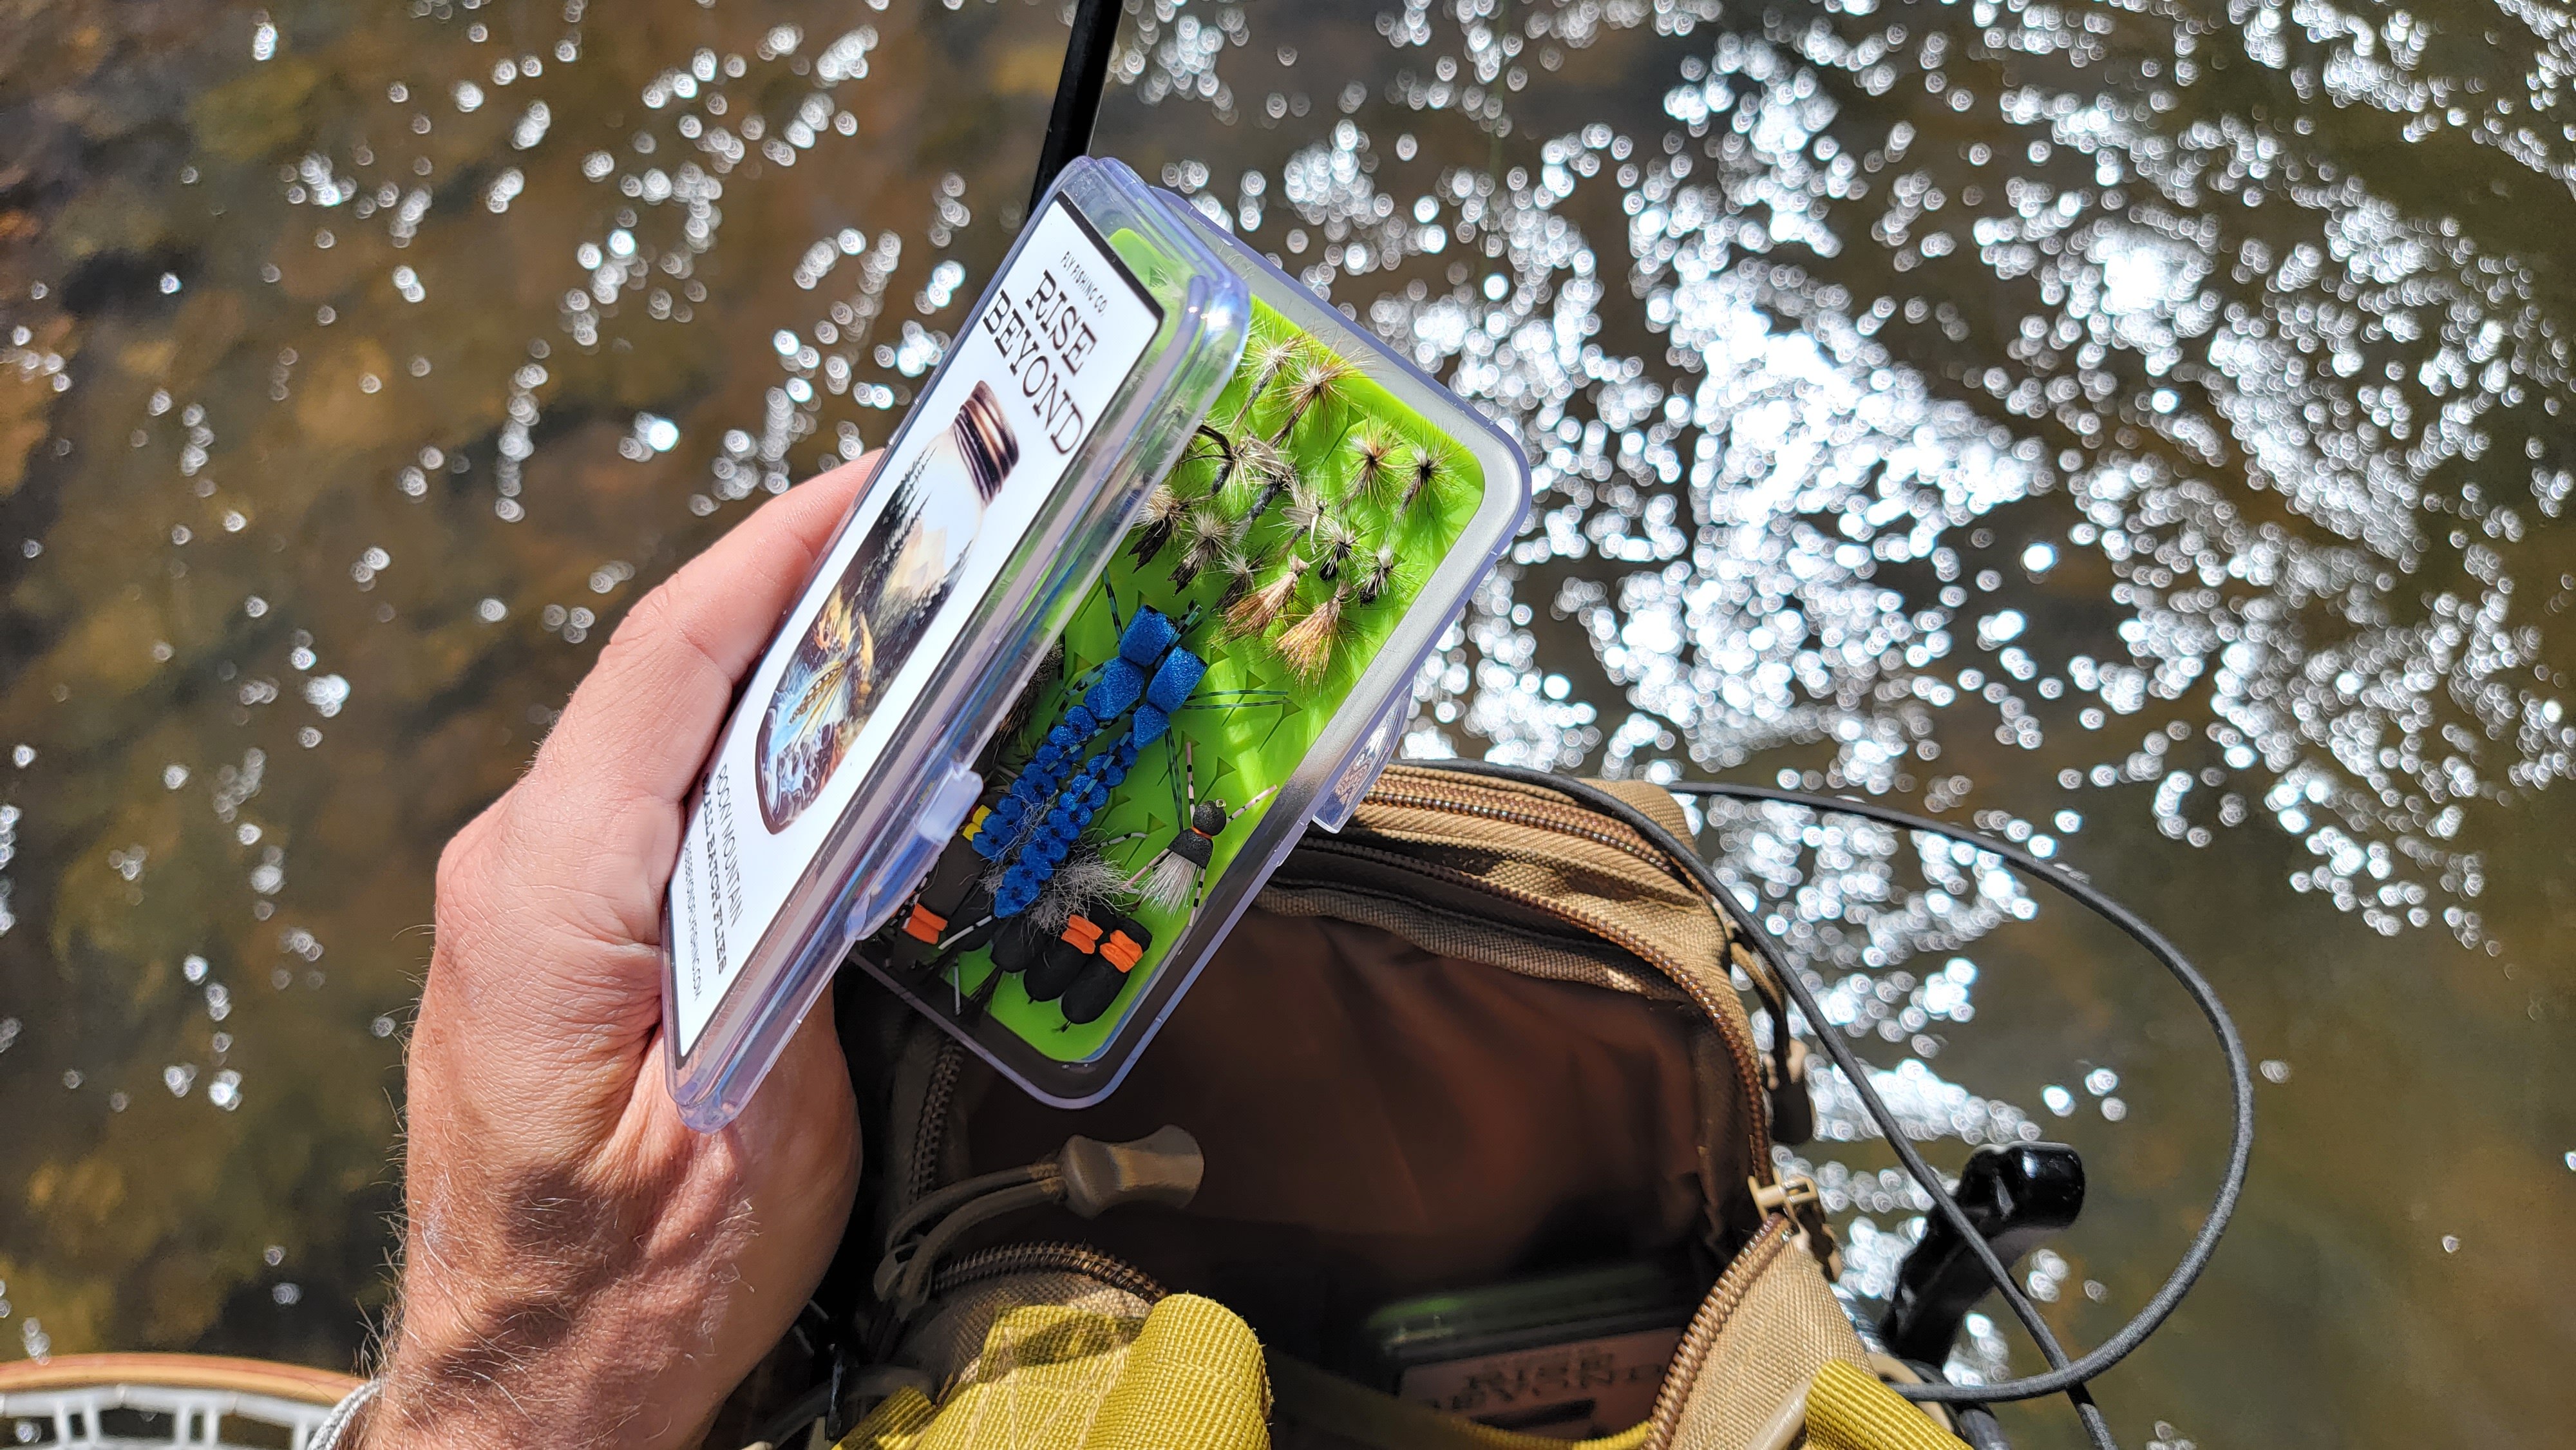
(1208,535)
(1374,465)
(1317,378)
(1311,641)
(1425,481)
(1254,611)
(1173,877)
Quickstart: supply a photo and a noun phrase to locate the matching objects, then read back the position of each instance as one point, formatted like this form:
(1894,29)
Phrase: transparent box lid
(1241,669)
(850,759)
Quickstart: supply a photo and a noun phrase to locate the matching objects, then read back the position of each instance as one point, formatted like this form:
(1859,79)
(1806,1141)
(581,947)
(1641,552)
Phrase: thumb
(549,904)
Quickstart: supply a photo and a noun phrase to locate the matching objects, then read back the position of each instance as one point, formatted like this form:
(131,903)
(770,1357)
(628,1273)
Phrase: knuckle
(661,631)
(651,617)
(460,863)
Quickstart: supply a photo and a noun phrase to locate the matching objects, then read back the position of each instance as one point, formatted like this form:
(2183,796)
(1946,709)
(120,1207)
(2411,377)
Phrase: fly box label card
(948,506)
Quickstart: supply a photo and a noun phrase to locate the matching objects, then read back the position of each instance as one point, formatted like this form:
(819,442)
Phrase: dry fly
(1224,453)
(1319,376)
(1268,358)
(1426,478)
(1242,570)
(1164,509)
(1335,539)
(1376,572)
(1266,470)
(1375,448)
(1172,878)
(1307,646)
(1306,509)
(1206,535)
(1259,608)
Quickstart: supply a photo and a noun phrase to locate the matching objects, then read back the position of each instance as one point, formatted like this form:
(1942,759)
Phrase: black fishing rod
(1077,91)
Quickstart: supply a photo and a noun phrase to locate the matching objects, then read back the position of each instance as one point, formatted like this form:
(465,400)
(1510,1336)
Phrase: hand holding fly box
(1166,543)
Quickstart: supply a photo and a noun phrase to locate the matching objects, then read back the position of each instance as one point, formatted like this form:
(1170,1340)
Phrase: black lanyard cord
(2064,1376)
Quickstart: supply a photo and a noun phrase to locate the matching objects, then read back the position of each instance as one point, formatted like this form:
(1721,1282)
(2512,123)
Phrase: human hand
(579,1267)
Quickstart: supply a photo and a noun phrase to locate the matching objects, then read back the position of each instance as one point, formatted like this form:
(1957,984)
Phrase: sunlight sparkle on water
(1811,339)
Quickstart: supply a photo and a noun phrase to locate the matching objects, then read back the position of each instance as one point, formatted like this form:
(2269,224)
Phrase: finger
(639,727)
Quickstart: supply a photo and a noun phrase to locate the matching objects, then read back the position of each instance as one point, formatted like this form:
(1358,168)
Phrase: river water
(2137,429)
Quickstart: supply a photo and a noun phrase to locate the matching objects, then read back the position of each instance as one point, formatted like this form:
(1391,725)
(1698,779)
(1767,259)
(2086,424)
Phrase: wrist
(596,1328)
(503,1365)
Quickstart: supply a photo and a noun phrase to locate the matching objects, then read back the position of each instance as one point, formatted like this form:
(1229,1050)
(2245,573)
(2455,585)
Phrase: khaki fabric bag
(1482,1032)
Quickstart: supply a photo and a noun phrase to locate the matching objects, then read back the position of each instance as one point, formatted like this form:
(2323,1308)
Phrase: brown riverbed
(2141,431)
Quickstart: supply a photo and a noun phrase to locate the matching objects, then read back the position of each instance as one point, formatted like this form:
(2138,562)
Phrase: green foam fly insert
(1266,698)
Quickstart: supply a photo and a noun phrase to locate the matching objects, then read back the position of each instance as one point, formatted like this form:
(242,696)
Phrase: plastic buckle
(1793,1107)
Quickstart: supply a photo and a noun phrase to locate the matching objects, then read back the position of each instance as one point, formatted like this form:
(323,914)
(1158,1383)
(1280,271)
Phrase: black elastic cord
(1853,1069)
(2063,1377)
(1077,91)
(2240,1077)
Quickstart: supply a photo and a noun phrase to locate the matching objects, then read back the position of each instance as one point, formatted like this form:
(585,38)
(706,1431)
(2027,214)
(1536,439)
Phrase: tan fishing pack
(1483,1035)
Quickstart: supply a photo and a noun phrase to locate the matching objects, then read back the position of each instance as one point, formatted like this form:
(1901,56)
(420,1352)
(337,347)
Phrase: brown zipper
(939,1092)
(1748,1068)
(1570,820)
(1005,1260)
(921,1174)
(930,1135)
(1724,1298)
(1564,820)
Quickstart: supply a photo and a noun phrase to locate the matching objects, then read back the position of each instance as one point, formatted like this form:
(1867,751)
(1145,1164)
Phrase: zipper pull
(1087,1176)
(1163,1167)
(1796,1198)
(1793,1108)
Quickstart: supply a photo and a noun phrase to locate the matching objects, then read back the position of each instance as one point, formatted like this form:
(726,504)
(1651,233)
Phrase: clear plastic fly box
(1065,692)
(859,743)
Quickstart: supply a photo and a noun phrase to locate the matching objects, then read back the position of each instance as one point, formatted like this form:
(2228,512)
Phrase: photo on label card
(867,626)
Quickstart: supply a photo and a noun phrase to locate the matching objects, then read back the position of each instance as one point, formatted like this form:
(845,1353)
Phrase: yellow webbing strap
(1193,1378)
(1364,1416)
(1191,1373)
(1053,1378)
(1848,1409)
(895,1424)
